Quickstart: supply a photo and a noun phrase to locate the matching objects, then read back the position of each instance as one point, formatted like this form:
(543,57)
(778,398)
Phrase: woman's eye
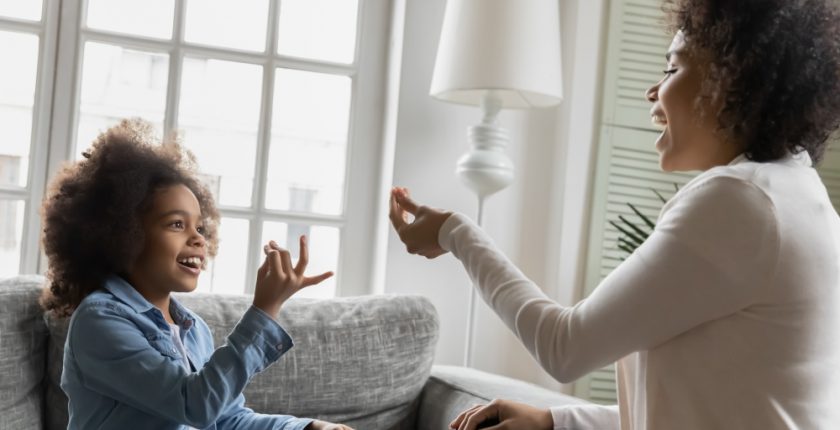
(670,71)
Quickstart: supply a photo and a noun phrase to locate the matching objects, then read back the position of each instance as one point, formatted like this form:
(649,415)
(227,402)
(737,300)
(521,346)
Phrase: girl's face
(690,138)
(174,250)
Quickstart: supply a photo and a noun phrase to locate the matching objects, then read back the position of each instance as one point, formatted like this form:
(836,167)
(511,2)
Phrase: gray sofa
(364,361)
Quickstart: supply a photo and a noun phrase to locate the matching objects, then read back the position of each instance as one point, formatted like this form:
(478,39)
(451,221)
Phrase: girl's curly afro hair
(775,66)
(93,208)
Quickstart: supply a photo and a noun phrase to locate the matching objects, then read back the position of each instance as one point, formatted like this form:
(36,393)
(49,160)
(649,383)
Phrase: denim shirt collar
(126,293)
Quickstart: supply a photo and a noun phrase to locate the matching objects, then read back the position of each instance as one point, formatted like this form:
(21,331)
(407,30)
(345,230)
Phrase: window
(261,93)
(26,37)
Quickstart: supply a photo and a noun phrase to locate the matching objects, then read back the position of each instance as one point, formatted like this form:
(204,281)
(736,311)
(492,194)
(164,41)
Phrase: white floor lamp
(496,54)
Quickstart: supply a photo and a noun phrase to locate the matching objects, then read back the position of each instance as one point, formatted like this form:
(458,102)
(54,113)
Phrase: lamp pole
(485,169)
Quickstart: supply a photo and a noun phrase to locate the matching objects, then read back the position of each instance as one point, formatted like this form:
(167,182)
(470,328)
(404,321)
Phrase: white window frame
(358,223)
(32,194)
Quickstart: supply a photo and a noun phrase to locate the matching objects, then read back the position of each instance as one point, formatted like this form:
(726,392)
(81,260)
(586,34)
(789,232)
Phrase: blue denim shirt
(122,370)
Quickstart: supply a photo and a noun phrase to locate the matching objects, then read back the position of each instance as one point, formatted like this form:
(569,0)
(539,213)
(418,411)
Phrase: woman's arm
(714,248)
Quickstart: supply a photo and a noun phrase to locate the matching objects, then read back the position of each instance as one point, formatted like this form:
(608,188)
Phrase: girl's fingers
(285,259)
(314,280)
(303,260)
(275,264)
(263,270)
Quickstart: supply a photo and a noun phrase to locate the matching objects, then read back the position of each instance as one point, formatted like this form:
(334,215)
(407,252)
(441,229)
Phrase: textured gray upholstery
(452,390)
(364,361)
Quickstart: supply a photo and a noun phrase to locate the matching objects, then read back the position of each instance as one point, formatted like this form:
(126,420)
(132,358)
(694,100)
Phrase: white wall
(531,220)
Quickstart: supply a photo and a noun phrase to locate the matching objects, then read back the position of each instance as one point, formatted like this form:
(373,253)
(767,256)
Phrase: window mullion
(39,138)
(176,61)
(263,144)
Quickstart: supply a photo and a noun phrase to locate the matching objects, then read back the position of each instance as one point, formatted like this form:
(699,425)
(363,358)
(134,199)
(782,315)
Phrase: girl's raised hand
(421,235)
(277,279)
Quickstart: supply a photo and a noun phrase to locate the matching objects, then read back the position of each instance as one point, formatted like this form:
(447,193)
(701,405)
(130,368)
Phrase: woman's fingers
(479,416)
(463,416)
(405,201)
(303,260)
(396,213)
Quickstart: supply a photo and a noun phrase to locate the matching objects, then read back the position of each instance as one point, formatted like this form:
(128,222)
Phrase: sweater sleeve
(714,247)
(585,417)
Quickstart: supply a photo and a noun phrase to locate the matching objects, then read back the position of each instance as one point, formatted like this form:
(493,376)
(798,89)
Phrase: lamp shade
(509,48)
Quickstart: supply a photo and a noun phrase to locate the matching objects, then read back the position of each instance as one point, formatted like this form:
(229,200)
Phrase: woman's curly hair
(93,208)
(775,65)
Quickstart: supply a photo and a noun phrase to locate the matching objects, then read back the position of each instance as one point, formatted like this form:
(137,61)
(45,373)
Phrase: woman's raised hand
(277,279)
(421,235)
(504,414)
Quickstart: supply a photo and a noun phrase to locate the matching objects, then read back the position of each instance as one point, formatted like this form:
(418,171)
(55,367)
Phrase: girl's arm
(115,358)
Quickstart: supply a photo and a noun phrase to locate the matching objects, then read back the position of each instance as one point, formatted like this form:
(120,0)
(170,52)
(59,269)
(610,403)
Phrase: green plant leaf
(625,249)
(643,217)
(627,233)
(659,195)
(643,234)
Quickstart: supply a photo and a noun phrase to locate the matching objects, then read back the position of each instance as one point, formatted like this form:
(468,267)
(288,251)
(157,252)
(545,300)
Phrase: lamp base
(485,168)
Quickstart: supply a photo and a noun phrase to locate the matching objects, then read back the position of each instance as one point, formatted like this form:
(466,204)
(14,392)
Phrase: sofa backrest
(23,344)
(358,360)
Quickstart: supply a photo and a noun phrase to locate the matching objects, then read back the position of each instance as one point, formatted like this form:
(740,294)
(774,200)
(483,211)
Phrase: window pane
(308,142)
(119,83)
(23,9)
(152,18)
(17,97)
(11,231)
(323,251)
(318,29)
(219,116)
(239,25)
(226,273)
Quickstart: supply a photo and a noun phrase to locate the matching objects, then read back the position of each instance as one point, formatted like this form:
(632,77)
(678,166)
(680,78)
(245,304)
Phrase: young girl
(123,229)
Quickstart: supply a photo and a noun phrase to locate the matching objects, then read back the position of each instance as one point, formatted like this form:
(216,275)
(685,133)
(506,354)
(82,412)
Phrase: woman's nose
(652,94)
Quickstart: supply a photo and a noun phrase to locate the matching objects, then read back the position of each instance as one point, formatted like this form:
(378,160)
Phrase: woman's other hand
(277,279)
(323,425)
(421,235)
(504,414)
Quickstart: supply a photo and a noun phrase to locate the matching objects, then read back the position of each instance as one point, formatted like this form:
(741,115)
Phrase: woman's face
(690,138)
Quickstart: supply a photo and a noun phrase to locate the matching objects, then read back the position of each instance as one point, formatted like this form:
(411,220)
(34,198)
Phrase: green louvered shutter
(829,171)
(628,165)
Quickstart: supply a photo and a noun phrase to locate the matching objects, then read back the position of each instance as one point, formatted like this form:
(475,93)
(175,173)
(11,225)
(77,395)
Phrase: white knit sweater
(727,317)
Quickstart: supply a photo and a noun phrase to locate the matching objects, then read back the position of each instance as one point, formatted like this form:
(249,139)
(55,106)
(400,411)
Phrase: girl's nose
(198,240)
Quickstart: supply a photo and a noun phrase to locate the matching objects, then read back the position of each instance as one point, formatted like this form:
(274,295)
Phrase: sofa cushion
(359,360)
(23,340)
(452,390)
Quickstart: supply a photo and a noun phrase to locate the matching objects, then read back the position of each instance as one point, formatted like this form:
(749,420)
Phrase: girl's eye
(177,224)
(201,230)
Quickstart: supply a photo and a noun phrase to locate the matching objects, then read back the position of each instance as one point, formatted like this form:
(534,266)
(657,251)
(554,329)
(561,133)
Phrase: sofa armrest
(451,390)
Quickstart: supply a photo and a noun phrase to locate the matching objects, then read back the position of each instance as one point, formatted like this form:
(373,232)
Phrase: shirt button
(280,346)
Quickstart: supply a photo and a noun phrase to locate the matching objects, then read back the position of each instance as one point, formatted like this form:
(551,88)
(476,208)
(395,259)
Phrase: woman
(728,316)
